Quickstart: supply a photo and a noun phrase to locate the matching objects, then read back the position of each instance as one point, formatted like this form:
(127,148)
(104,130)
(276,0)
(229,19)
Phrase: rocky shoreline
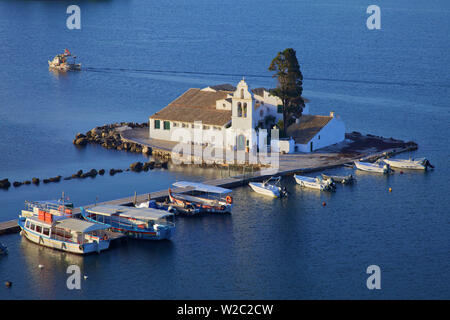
(108,136)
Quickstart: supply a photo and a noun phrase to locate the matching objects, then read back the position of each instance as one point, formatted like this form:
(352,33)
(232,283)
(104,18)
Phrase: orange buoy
(390,189)
(324,203)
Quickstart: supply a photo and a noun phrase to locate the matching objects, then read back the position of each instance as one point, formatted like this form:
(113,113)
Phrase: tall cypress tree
(290,85)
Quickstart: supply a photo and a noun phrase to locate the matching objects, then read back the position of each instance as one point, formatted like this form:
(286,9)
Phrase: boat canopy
(130,212)
(201,187)
(80,225)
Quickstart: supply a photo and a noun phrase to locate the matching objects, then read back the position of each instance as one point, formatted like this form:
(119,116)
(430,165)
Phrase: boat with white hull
(55,230)
(266,188)
(340,179)
(315,183)
(413,164)
(139,223)
(373,167)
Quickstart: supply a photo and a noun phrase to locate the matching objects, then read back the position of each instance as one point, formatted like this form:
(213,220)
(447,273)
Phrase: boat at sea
(139,223)
(378,167)
(340,179)
(413,164)
(317,183)
(270,187)
(49,224)
(205,197)
(61,62)
(175,208)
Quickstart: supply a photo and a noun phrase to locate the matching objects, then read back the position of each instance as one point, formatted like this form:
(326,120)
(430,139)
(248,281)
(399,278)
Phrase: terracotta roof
(196,105)
(308,127)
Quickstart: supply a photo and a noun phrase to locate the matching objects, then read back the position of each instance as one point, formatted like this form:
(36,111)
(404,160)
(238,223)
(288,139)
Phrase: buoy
(324,203)
(40,266)
(390,189)
(85,277)
(8,284)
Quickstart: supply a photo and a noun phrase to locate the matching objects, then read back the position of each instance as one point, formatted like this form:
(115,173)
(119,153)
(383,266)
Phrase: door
(241,142)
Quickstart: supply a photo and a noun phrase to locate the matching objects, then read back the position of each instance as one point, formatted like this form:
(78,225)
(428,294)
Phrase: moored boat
(379,167)
(47,224)
(267,188)
(315,183)
(413,164)
(206,198)
(139,223)
(340,179)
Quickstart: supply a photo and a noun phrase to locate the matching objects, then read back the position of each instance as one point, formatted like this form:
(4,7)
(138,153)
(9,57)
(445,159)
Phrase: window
(166,125)
(46,231)
(242,93)
(175,124)
(32,227)
(205,127)
(239,109)
(319,136)
(183,125)
(245,110)
(28,224)
(280,108)
(157,124)
(38,229)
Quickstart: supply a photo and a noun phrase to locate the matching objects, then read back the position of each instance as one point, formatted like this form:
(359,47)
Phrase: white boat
(315,183)
(60,62)
(274,190)
(206,198)
(55,230)
(415,164)
(139,223)
(373,167)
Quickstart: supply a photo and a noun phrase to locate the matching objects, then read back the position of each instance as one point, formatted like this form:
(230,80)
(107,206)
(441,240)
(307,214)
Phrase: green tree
(290,85)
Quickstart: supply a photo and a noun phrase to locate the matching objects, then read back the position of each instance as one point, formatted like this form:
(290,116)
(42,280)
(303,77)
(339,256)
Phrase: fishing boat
(315,183)
(3,249)
(414,164)
(61,62)
(205,197)
(139,223)
(267,188)
(48,224)
(188,210)
(340,179)
(378,167)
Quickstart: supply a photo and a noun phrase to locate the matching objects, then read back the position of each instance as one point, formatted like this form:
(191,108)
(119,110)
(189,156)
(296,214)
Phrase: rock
(55,179)
(17,184)
(101,172)
(46,181)
(146,150)
(67,178)
(114,171)
(5,184)
(80,142)
(136,167)
(79,135)
(27,182)
(35,181)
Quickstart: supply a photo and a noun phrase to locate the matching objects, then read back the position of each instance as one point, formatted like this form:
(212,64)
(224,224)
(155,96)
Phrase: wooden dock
(286,168)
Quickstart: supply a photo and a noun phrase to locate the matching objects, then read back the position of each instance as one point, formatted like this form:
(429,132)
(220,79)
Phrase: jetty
(363,148)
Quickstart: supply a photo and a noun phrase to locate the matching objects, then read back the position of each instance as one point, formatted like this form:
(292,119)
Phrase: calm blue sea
(392,82)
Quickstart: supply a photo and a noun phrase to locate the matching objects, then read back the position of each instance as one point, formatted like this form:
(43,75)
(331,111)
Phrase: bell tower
(242,115)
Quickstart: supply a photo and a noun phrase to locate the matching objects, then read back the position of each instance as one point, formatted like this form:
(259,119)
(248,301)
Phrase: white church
(237,114)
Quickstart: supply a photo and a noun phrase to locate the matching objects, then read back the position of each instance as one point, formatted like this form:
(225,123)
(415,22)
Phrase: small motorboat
(3,249)
(315,183)
(340,179)
(415,164)
(61,62)
(378,167)
(185,209)
(274,189)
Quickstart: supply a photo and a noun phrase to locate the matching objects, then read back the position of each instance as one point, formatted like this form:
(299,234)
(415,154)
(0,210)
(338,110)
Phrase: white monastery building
(233,117)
